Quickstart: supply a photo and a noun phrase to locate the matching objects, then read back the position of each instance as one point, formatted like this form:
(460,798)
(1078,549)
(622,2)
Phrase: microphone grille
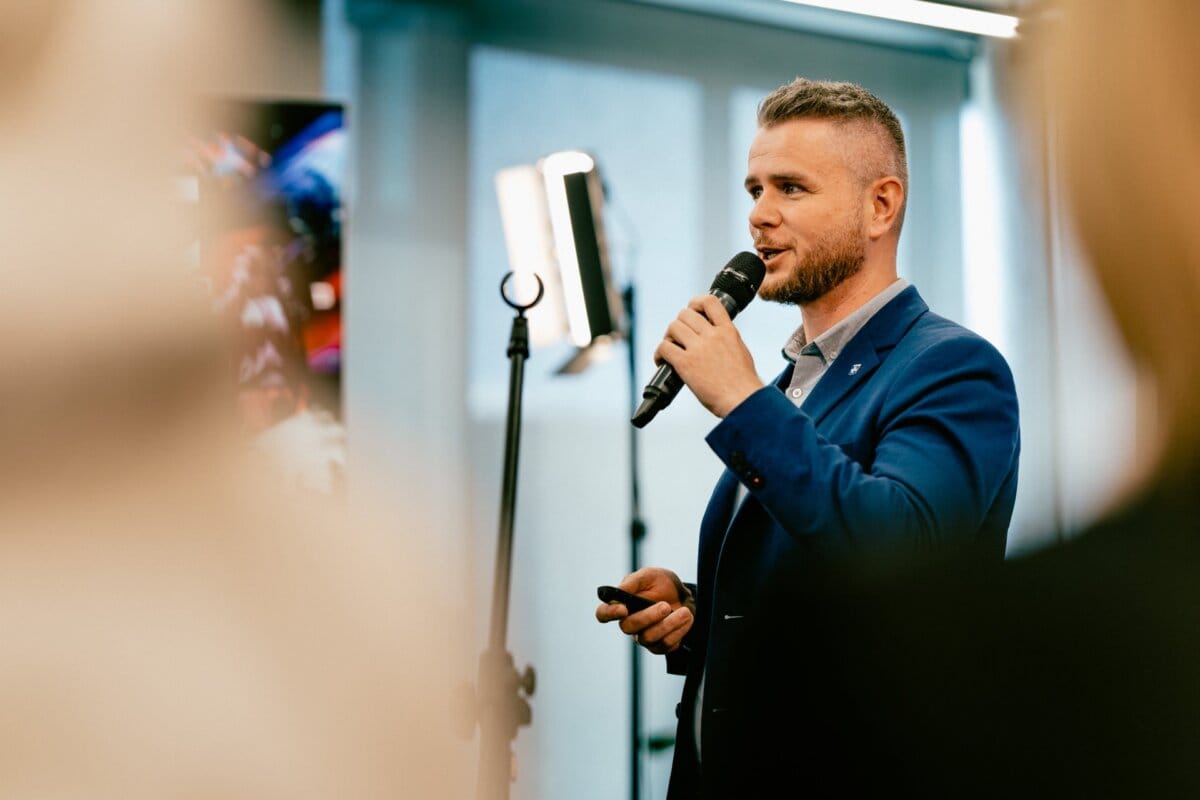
(741,278)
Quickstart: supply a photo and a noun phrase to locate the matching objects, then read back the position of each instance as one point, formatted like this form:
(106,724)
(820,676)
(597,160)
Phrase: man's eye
(792,188)
(755,192)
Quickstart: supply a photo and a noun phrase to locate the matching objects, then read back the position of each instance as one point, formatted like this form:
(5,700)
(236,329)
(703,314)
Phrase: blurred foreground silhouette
(176,622)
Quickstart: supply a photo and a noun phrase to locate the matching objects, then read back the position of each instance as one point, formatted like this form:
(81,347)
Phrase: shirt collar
(827,346)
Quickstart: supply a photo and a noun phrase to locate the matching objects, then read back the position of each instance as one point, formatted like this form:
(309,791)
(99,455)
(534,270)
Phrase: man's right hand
(660,628)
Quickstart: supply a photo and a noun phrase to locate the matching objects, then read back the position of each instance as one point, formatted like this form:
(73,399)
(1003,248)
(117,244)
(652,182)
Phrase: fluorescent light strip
(921,12)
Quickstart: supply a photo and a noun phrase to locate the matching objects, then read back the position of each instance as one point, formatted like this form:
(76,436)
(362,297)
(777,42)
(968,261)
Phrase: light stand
(637,532)
(553,220)
(501,708)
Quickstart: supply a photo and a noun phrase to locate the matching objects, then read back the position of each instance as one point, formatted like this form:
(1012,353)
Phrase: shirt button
(833,355)
(797,392)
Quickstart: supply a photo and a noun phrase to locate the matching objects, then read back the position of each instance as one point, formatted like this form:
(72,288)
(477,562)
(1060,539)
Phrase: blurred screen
(269,181)
(270,184)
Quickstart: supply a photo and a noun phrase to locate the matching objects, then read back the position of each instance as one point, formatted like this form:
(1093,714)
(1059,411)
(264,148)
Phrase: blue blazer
(907,445)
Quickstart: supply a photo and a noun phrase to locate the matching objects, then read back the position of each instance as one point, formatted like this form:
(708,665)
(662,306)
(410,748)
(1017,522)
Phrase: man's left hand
(707,352)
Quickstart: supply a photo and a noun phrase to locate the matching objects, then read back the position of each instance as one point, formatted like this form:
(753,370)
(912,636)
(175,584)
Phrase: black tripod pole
(502,709)
(637,532)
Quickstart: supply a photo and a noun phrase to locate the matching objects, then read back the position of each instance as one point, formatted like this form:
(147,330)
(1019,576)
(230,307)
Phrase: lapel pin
(855,368)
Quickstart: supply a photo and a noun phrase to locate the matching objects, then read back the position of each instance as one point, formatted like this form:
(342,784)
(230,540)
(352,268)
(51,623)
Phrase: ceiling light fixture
(922,12)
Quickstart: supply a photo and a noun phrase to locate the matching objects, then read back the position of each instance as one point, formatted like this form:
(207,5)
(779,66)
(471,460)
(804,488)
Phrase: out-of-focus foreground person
(174,623)
(1072,672)
(1126,78)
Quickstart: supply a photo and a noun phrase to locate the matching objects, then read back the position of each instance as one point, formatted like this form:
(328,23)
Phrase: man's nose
(764,213)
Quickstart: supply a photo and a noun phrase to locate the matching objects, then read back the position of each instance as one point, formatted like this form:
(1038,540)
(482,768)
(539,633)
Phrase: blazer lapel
(865,352)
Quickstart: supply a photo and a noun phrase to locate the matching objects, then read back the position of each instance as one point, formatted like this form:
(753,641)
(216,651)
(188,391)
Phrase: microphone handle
(665,384)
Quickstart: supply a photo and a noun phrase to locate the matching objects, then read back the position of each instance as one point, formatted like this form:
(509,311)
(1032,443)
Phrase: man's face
(808,219)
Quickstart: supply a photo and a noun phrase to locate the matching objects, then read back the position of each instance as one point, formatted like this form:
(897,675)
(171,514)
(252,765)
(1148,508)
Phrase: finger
(672,631)
(655,583)
(651,643)
(711,308)
(665,353)
(682,334)
(693,320)
(663,631)
(607,612)
(636,623)
(683,623)
(643,580)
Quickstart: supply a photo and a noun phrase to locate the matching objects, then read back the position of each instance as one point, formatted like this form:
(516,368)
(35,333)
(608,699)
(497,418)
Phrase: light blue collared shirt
(813,358)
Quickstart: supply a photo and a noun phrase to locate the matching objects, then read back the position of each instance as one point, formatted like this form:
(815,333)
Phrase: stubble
(831,260)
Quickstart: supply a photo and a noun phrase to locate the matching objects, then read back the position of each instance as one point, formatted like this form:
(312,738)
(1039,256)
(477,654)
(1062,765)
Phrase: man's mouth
(769,254)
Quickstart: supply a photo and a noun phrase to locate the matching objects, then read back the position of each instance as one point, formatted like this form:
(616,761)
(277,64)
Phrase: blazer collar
(863,354)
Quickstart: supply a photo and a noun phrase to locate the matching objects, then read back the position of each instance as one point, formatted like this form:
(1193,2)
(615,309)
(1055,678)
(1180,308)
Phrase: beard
(832,259)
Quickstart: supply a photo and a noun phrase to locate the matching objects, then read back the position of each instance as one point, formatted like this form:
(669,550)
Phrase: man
(892,434)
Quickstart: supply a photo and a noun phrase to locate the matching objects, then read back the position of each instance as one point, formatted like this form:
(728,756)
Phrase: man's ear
(886,197)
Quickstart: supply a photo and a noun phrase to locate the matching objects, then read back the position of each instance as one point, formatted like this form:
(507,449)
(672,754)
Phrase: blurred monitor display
(270,183)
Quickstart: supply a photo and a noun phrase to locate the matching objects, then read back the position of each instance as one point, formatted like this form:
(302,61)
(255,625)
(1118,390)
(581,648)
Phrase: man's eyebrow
(783,177)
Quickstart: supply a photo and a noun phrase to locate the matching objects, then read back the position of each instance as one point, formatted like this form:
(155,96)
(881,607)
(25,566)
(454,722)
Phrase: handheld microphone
(735,286)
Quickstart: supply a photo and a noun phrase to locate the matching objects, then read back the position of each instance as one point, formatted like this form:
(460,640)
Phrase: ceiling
(839,24)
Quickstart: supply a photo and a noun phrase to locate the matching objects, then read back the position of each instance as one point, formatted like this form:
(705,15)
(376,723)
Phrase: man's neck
(843,300)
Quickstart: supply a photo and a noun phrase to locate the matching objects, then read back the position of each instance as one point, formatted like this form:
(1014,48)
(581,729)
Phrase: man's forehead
(800,144)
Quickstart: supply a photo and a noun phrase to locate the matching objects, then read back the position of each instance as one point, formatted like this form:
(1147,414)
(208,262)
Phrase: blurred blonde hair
(1126,88)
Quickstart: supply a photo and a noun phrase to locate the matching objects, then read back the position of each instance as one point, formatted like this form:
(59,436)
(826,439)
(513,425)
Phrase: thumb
(645,580)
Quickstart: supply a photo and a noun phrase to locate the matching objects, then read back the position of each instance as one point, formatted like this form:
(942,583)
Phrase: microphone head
(741,278)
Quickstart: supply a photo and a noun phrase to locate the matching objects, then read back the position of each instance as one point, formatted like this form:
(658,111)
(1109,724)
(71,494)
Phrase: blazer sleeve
(946,444)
